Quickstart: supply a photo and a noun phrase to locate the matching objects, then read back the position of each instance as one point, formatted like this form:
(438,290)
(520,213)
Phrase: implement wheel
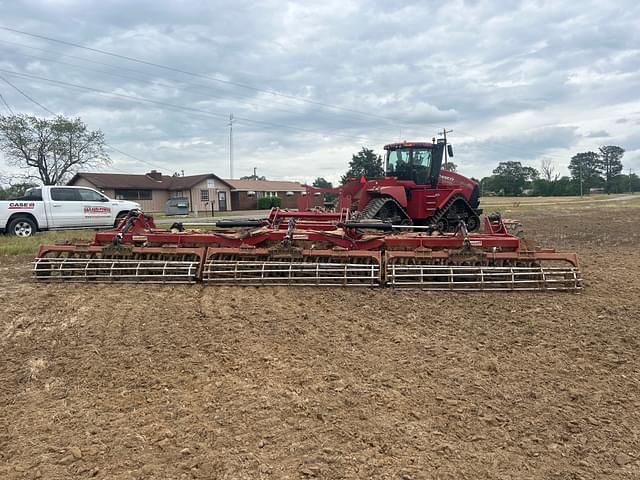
(473,223)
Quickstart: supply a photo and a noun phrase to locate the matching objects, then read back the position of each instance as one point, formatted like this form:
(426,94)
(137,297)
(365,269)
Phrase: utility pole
(230,145)
(444,134)
(630,172)
(255,175)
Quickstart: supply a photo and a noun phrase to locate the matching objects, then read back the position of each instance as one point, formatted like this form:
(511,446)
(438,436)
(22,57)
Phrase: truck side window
(33,195)
(65,195)
(89,195)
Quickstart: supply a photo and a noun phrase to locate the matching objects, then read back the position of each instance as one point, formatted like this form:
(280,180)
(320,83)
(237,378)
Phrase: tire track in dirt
(116,381)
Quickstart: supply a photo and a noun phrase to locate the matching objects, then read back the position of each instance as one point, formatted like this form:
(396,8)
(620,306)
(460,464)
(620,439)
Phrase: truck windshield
(409,164)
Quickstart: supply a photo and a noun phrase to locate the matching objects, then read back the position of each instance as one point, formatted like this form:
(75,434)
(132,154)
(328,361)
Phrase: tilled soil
(119,382)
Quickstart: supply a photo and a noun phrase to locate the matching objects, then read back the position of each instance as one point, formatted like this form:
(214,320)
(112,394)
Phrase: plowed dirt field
(120,382)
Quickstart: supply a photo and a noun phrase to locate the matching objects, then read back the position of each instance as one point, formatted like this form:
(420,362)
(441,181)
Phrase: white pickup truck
(52,207)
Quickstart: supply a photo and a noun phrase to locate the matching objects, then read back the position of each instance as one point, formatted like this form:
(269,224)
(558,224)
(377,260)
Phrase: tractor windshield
(410,164)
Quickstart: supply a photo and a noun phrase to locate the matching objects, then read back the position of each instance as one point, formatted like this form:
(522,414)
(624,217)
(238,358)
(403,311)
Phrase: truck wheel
(22,227)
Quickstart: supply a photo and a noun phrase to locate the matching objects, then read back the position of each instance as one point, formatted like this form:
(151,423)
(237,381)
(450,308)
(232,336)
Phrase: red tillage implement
(311,249)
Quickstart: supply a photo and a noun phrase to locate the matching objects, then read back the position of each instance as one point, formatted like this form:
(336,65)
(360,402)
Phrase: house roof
(150,181)
(265,185)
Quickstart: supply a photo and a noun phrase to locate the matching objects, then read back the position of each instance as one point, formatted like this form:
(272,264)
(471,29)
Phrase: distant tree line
(602,170)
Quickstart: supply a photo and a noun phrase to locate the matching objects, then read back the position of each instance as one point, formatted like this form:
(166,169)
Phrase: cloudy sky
(310,83)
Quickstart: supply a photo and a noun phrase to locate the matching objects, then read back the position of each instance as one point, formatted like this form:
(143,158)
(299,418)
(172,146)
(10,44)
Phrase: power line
(197,85)
(178,107)
(6,105)
(193,74)
(156,82)
(52,113)
(133,157)
(492,146)
(26,96)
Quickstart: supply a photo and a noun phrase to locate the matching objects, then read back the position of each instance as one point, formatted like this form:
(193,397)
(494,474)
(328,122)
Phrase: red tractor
(415,190)
(380,234)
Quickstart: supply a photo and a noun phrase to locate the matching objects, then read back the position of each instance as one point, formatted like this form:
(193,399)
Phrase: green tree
(253,177)
(557,187)
(320,182)
(609,164)
(365,163)
(634,183)
(625,183)
(14,191)
(585,168)
(511,178)
(50,151)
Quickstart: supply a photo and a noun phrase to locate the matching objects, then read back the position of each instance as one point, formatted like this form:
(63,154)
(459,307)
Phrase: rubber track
(374,206)
(444,210)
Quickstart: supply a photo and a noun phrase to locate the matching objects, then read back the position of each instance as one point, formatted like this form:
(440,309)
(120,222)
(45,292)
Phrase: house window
(133,194)
(204,195)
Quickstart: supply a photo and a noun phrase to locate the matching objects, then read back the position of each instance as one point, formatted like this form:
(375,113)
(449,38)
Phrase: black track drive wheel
(388,210)
(473,223)
(442,225)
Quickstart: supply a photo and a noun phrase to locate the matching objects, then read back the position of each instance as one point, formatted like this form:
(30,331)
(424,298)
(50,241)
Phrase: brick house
(245,193)
(152,190)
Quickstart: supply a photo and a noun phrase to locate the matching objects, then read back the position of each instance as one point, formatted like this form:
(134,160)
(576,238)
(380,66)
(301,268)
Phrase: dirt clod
(622,459)
(159,381)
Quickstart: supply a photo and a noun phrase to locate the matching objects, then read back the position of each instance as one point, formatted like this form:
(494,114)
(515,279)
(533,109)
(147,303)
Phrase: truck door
(96,208)
(66,208)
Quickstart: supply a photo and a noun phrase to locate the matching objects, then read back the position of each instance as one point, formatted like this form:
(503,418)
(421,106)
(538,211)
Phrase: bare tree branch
(50,150)
(548,169)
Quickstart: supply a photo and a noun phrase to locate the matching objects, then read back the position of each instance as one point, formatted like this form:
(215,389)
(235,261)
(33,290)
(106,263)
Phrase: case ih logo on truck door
(22,205)
(97,211)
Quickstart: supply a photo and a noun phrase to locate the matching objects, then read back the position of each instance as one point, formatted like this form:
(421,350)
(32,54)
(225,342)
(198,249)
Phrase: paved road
(210,220)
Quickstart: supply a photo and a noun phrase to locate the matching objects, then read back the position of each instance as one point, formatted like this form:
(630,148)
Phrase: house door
(222,201)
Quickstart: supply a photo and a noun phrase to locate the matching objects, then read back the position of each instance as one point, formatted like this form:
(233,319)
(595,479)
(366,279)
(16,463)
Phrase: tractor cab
(419,162)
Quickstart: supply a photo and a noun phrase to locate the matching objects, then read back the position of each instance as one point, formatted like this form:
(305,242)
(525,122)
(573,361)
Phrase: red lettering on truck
(22,205)
(98,211)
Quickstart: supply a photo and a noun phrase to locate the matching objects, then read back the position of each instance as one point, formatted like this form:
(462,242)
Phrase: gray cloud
(514,79)
(598,134)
